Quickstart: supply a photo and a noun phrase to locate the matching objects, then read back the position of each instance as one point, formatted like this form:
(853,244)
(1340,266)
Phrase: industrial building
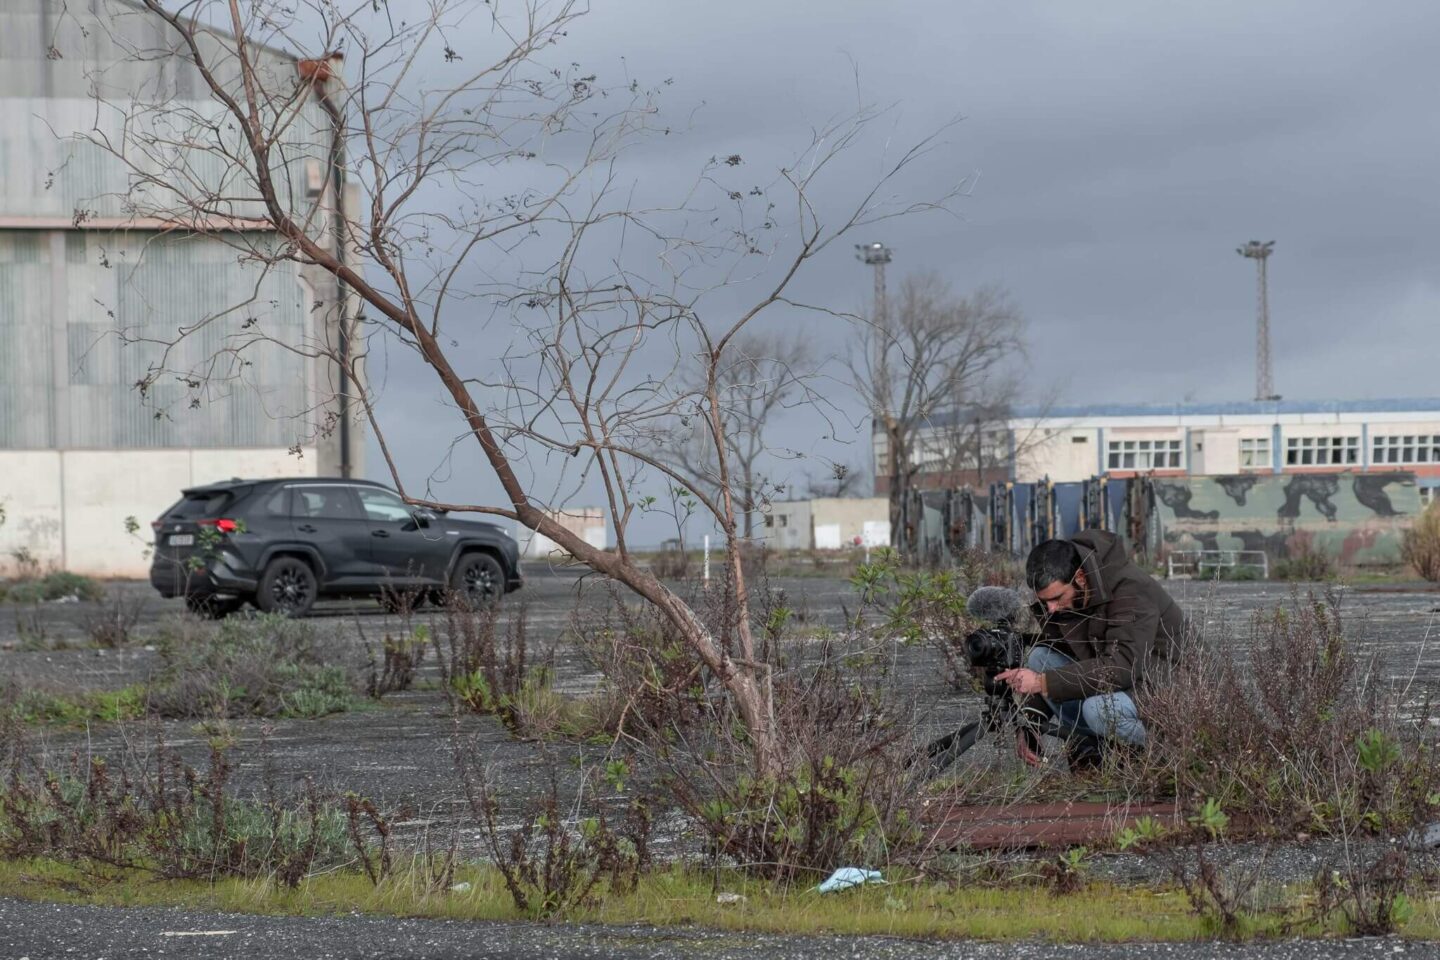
(1265,479)
(1071,444)
(97,277)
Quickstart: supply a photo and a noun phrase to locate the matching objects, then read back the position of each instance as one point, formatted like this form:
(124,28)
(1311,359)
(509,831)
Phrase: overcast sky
(1122,150)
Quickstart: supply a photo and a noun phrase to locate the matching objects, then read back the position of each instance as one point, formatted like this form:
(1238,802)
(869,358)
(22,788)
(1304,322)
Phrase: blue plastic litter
(847,877)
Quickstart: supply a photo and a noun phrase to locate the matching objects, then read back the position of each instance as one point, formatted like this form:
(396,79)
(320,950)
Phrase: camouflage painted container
(1358,519)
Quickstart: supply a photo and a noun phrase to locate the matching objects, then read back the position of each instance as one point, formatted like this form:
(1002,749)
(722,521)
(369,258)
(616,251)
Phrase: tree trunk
(897,481)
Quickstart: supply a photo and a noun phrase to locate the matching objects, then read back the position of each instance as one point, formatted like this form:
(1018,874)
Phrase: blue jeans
(1104,715)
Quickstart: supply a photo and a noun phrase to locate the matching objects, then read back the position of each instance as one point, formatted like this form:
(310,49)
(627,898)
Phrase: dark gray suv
(283,544)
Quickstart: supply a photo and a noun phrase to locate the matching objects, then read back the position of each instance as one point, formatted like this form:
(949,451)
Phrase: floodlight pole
(1260,253)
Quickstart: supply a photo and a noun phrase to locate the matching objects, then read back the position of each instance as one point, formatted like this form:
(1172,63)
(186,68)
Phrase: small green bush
(52,586)
(103,706)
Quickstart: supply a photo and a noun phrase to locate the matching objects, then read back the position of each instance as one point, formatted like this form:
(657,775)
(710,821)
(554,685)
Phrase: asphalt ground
(401,753)
(37,930)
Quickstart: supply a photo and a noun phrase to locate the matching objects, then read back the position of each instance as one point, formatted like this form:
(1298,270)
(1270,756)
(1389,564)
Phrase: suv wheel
(478,580)
(287,587)
(211,607)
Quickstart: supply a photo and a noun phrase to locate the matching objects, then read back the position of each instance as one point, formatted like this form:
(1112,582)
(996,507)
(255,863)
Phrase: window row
(1406,448)
(1321,451)
(1144,454)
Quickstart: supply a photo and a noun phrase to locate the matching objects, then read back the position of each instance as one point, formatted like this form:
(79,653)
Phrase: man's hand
(1027,747)
(1023,681)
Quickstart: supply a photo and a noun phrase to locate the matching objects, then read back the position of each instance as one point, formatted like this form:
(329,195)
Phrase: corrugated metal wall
(92,84)
(127,297)
(87,314)
(26,416)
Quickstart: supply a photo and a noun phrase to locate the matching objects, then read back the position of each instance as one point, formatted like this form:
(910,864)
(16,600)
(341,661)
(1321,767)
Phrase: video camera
(994,649)
(990,651)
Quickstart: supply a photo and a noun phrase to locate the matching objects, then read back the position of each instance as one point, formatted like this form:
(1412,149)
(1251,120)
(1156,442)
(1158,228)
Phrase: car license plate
(182,540)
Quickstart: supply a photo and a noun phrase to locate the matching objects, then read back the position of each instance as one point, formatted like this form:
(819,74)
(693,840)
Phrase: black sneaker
(1084,754)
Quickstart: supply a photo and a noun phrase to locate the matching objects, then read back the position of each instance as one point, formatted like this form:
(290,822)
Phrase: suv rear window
(201,503)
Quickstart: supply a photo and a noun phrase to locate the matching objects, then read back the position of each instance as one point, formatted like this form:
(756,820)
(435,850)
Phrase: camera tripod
(1032,718)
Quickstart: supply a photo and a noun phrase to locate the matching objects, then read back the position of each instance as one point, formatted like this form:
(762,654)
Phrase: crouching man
(1106,626)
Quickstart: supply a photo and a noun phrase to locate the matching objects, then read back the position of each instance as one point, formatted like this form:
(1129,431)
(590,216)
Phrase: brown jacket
(1127,628)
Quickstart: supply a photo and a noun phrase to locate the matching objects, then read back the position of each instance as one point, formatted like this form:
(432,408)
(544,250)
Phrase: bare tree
(933,353)
(761,375)
(841,480)
(979,442)
(497,192)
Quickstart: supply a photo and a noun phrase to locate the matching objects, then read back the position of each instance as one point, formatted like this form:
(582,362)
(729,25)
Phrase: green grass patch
(676,896)
(77,710)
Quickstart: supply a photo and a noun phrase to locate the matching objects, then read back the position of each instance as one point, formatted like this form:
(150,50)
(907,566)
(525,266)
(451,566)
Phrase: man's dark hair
(1054,561)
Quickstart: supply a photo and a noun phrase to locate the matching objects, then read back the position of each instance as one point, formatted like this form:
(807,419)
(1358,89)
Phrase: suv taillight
(224,525)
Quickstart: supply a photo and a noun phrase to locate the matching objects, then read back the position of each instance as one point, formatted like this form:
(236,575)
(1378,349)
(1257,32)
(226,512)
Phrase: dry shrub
(1224,897)
(553,860)
(847,794)
(1369,896)
(111,622)
(651,678)
(160,815)
(1292,731)
(671,562)
(1421,547)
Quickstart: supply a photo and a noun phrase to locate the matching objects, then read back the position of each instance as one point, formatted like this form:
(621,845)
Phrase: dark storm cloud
(1125,149)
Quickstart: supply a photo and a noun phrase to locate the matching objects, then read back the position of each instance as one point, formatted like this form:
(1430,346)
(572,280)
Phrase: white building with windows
(1288,436)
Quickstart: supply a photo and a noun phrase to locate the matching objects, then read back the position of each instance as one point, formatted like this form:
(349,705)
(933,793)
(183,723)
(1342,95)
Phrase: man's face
(1056,597)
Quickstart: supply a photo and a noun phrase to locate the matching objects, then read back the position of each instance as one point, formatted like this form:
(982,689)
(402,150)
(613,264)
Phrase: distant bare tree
(931,353)
(761,375)
(974,442)
(841,480)
(497,193)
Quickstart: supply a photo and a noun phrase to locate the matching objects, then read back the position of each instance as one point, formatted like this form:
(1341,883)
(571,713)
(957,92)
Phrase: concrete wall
(787,525)
(588,523)
(67,509)
(1061,455)
(827,523)
(837,521)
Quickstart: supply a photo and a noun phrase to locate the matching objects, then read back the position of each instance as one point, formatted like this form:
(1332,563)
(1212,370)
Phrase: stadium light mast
(1260,253)
(876,255)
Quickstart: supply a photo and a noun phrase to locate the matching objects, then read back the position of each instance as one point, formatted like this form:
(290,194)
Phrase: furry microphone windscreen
(994,604)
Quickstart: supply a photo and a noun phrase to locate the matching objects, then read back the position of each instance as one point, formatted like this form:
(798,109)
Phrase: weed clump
(400,657)
(487,671)
(163,817)
(845,792)
(552,862)
(110,624)
(266,666)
